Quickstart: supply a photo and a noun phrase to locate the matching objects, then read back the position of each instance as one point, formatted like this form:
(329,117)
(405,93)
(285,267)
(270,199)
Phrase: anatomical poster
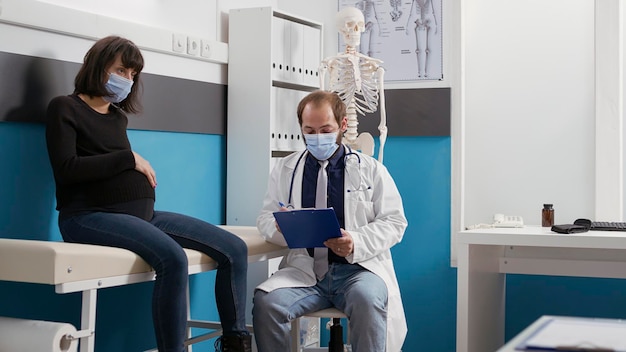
(405,34)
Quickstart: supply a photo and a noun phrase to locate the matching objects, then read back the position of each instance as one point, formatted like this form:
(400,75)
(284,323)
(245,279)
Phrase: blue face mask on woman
(119,88)
(321,145)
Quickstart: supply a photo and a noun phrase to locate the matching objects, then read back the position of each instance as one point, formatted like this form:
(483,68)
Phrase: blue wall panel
(27,189)
(421,169)
(529,297)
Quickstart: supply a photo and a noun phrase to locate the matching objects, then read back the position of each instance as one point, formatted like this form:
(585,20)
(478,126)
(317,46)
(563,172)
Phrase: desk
(485,256)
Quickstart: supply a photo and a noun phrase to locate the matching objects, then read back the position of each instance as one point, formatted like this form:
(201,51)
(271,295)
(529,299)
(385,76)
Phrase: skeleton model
(395,13)
(369,13)
(423,22)
(358,79)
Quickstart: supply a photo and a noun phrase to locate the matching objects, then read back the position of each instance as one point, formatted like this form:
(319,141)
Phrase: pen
(281,204)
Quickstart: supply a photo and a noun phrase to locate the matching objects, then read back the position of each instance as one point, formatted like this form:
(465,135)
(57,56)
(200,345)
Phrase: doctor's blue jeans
(160,243)
(359,293)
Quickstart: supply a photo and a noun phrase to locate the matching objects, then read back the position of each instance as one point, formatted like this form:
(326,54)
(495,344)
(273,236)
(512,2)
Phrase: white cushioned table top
(49,262)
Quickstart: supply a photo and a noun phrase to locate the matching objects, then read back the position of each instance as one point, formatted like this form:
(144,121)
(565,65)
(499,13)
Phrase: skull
(351,24)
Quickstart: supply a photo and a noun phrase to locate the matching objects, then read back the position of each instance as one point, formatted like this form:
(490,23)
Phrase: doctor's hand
(282,208)
(342,246)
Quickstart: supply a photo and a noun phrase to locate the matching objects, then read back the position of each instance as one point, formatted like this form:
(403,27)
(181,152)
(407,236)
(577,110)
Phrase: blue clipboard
(308,228)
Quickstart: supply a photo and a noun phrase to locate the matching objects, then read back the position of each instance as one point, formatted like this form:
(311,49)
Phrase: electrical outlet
(205,48)
(179,42)
(193,46)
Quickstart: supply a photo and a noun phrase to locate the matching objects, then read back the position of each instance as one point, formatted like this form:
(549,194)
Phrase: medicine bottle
(547,215)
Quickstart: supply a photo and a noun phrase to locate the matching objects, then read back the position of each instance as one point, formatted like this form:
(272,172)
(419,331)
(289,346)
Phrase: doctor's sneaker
(234,343)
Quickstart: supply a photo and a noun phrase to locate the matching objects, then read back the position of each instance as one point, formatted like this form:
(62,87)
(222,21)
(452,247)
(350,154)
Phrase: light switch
(179,42)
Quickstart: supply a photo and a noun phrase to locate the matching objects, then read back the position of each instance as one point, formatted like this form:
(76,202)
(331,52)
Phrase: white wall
(202,19)
(529,88)
(609,18)
(186,16)
(65,29)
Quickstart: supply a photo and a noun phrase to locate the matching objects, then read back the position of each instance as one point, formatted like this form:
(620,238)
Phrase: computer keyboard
(608,226)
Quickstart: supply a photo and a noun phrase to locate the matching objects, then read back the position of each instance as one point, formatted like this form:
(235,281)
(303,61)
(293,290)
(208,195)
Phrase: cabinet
(273,61)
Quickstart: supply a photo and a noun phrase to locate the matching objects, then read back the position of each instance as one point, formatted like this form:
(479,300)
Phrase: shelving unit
(273,62)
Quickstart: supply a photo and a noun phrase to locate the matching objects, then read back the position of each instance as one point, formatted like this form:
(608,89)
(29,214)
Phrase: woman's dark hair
(318,98)
(93,75)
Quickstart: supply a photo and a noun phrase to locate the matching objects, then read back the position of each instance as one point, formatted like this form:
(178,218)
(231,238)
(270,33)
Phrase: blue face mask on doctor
(321,145)
(119,88)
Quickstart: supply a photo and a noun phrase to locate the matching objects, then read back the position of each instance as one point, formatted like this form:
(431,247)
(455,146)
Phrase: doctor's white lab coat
(374,217)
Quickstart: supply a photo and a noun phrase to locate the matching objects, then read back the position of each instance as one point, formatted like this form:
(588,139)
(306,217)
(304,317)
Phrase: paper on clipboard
(308,228)
(580,334)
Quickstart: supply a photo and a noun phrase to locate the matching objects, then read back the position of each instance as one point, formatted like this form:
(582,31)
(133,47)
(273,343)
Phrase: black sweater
(91,158)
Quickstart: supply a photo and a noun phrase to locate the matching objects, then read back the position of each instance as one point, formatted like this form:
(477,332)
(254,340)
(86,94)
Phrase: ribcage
(355,85)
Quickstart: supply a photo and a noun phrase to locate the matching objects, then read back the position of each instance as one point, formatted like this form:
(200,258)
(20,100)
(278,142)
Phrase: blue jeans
(360,294)
(160,243)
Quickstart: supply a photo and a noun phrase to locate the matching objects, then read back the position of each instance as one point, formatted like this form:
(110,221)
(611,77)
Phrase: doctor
(355,272)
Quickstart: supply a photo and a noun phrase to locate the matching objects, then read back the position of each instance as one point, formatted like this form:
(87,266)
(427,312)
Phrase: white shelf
(273,63)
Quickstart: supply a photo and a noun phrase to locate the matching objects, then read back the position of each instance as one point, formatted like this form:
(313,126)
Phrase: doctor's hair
(93,74)
(320,97)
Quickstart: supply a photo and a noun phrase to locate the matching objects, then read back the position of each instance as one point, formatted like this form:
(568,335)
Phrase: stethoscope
(349,159)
